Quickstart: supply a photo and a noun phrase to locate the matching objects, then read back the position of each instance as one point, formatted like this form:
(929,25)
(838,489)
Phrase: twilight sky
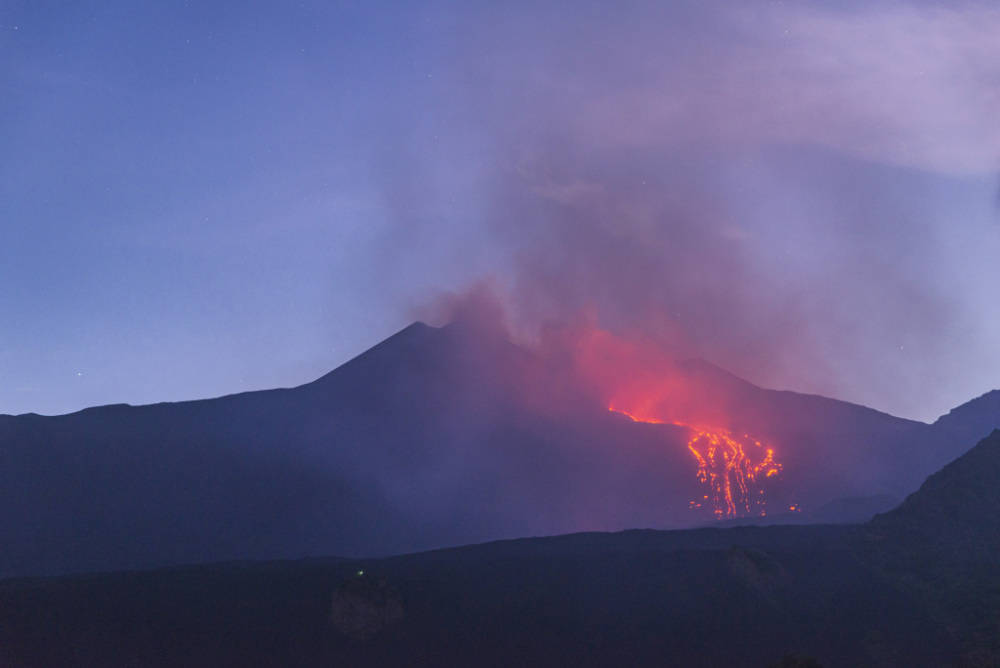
(202,198)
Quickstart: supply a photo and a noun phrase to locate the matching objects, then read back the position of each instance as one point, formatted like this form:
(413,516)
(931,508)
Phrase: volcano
(434,437)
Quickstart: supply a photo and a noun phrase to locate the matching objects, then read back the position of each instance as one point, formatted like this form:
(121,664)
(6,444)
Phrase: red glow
(640,379)
(728,465)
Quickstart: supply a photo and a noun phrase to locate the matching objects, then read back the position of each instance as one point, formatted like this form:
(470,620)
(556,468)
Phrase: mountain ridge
(433,437)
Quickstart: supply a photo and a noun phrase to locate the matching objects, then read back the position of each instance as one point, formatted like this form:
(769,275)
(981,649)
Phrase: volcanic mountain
(434,437)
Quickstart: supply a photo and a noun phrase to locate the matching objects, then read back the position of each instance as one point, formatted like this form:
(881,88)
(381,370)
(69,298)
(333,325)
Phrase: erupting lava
(648,383)
(733,468)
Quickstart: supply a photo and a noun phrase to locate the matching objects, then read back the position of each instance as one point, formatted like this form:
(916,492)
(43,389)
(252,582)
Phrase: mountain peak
(411,337)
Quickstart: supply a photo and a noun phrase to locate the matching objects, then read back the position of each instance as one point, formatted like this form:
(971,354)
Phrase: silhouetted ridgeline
(973,419)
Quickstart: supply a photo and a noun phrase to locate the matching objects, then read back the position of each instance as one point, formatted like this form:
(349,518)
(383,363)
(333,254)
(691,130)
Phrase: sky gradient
(205,198)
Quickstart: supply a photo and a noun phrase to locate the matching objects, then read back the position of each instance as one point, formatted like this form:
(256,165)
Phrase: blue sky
(204,198)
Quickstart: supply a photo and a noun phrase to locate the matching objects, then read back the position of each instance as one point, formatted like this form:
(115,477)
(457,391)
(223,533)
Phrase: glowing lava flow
(726,466)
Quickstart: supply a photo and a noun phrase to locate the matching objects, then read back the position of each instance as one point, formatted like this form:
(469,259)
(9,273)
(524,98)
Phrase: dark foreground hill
(943,544)
(736,597)
(919,586)
(955,515)
(434,437)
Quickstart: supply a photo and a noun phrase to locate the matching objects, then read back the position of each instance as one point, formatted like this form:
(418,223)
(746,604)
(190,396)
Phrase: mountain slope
(434,437)
(942,544)
(955,514)
(417,443)
(974,419)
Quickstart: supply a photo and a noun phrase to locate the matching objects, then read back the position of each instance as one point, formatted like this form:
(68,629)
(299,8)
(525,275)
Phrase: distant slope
(974,419)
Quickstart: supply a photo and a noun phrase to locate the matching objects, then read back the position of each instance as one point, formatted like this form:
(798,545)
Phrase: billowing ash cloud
(803,195)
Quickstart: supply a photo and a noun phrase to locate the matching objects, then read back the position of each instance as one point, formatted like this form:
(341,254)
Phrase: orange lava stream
(733,468)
